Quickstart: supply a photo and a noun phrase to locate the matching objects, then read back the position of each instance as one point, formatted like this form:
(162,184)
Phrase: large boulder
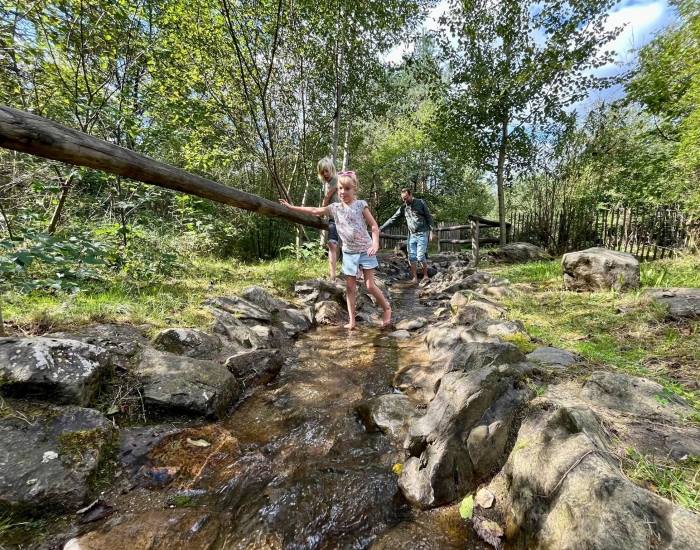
(330,313)
(600,269)
(682,303)
(66,372)
(45,464)
(183,384)
(294,321)
(565,490)
(317,290)
(518,253)
(237,334)
(189,342)
(635,395)
(551,357)
(463,435)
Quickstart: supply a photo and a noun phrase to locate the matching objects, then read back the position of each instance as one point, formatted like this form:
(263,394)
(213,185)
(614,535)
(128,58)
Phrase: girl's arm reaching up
(375,231)
(323,211)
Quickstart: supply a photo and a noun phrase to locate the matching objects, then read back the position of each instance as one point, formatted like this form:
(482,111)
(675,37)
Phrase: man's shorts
(417,246)
(353,262)
(332,232)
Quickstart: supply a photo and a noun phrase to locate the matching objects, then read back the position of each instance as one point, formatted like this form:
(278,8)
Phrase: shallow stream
(308,475)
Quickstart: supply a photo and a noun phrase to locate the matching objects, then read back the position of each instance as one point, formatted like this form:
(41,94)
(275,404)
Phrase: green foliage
(466,509)
(677,481)
(66,262)
(307,251)
(532,272)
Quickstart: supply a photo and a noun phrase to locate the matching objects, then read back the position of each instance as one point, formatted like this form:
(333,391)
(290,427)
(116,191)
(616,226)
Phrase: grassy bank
(169,301)
(622,332)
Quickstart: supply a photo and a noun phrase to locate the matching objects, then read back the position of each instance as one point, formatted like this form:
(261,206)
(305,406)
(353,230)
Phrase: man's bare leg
(414,272)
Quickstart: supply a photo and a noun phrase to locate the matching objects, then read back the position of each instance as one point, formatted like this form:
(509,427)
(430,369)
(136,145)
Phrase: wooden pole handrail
(28,133)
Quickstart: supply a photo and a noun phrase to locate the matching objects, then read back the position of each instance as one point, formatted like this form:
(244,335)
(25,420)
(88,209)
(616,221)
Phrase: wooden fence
(450,235)
(646,233)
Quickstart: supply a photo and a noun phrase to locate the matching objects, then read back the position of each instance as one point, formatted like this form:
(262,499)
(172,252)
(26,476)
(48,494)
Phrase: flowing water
(308,475)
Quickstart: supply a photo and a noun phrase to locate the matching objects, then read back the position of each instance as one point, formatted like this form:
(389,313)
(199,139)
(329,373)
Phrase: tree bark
(27,133)
(499,179)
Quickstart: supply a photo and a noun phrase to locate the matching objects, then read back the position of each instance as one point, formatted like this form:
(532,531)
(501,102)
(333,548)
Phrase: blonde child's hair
(343,178)
(325,163)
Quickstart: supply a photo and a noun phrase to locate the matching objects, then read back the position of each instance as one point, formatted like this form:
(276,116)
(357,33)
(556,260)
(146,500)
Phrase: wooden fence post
(475,242)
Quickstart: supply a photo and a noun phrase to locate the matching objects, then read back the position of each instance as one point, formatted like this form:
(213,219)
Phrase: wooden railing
(450,236)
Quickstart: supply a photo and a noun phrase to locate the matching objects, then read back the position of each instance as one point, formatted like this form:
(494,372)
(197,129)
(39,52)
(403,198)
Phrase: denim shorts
(353,262)
(417,246)
(332,232)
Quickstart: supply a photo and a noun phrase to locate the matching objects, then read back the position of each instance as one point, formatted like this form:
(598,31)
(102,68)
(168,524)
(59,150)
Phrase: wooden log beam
(27,133)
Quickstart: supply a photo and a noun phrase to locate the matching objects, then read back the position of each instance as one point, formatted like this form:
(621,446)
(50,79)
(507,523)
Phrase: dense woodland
(489,114)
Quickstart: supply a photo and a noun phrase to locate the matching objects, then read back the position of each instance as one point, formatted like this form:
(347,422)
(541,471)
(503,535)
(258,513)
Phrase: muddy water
(331,484)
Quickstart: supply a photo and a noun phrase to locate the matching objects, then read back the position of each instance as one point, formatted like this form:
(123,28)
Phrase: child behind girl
(326,175)
(359,249)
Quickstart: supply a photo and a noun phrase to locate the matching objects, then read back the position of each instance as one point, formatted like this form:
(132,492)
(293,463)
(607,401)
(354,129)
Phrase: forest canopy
(487,114)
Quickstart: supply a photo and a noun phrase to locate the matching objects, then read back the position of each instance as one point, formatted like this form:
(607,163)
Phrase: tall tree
(513,64)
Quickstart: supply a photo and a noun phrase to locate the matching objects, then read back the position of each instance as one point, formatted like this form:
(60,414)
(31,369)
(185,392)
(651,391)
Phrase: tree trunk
(27,133)
(346,145)
(338,97)
(499,179)
(65,188)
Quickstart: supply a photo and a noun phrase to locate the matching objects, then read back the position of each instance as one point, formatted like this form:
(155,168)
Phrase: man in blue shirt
(420,228)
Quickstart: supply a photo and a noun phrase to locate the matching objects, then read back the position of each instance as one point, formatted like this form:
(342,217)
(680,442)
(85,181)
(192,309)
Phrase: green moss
(73,445)
(522,341)
(181,501)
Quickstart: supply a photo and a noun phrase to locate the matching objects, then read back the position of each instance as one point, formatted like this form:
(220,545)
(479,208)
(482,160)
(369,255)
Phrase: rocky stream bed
(279,429)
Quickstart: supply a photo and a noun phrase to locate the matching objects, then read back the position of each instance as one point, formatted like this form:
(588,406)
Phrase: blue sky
(642,18)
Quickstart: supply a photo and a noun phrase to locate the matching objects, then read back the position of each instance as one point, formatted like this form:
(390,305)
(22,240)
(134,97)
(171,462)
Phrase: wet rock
(238,335)
(189,342)
(45,464)
(566,491)
(411,324)
(422,381)
(552,357)
(255,368)
(317,290)
(183,384)
(682,303)
(400,334)
(169,529)
(66,372)
(271,337)
(518,253)
(600,269)
(482,403)
(634,395)
(262,298)
(295,321)
(135,443)
(330,313)
(390,414)
(240,308)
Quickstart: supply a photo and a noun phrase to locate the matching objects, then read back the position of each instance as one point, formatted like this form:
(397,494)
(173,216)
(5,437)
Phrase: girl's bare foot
(414,281)
(386,318)
(349,326)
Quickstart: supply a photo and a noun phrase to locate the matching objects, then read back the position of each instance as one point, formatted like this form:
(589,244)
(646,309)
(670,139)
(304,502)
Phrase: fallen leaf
(114,409)
(484,498)
(467,508)
(198,442)
(97,510)
(397,469)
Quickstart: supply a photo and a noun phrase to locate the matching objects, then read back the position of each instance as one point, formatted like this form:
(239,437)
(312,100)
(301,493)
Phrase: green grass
(173,301)
(678,481)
